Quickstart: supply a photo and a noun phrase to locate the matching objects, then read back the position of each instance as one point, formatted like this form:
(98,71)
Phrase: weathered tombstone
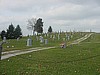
(29,42)
(45,35)
(50,36)
(53,37)
(37,38)
(58,37)
(4,39)
(18,39)
(41,39)
(68,37)
(46,41)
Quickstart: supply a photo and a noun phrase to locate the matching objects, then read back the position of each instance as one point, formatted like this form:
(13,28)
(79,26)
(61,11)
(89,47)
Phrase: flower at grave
(12,46)
(27,72)
(97,69)
(75,71)
(7,46)
(3,73)
(30,56)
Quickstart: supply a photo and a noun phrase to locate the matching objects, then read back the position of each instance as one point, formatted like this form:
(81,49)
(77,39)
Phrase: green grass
(21,44)
(81,59)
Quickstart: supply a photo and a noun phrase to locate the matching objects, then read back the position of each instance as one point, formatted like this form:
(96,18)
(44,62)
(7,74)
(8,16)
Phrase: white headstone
(18,39)
(45,35)
(41,39)
(37,38)
(46,41)
(53,37)
(58,37)
(68,37)
(29,42)
(50,36)
(4,39)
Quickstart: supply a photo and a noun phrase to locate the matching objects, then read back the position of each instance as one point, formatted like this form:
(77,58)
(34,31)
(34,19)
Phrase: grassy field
(81,59)
(21,44)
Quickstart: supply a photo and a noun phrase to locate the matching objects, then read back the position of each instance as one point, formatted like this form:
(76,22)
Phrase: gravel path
(19,52)
(81,39)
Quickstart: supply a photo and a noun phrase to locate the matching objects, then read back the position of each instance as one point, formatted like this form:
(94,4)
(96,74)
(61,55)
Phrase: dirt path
(19,52)
(9,54)
(81,39)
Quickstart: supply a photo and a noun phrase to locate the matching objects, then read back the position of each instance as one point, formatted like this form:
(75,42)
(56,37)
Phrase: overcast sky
(79,15)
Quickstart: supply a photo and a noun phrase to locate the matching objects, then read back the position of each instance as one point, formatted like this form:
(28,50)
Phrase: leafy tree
(50,29)
(3,34)
(31,24)
(39,26)
(10,32)
(17,32)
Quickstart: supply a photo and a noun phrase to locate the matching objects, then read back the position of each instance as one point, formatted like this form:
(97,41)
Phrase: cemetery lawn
(13,44)
(81,59)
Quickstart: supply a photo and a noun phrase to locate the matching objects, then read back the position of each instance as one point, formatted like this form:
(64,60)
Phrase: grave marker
(46,41)
(29,42)
(50,36)
(41,39)
(45,35)
(68,37)
(37,38)
(18,39)
(58,37)
(4,39)
(53,37)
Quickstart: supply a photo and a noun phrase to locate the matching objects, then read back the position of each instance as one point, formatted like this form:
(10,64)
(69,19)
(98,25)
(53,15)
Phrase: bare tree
(31,24)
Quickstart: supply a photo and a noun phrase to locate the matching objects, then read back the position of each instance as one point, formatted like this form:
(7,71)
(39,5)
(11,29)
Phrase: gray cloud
(57,13)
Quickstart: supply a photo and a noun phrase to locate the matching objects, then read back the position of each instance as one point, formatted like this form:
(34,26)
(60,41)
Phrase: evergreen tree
(39,26)
(3,34)
(17,32)
(50,29)
(10,32)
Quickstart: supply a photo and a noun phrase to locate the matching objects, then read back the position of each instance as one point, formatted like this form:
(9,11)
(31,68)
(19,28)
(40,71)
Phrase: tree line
(12,32)
(36,25)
